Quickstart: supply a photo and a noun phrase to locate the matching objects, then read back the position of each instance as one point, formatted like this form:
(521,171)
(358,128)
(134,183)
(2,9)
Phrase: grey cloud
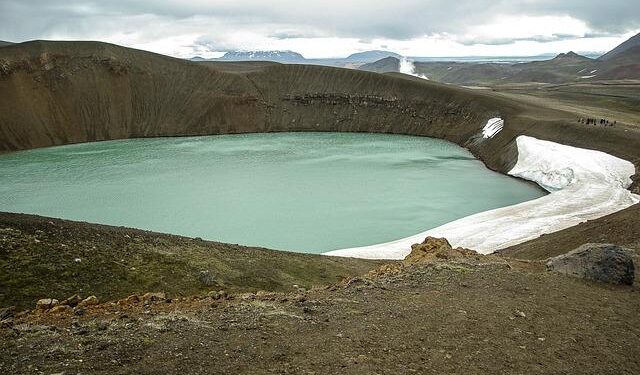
(207,44)
(361,19)
(503,41)
(611,16)
(294,34)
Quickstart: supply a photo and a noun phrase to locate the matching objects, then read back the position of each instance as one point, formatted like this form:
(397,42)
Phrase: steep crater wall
(57,93)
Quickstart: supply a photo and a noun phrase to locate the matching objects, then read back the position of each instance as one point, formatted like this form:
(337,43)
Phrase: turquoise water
(309,192)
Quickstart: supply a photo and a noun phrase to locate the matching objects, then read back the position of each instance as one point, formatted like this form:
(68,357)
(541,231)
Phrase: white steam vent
(408,67)
(493,127)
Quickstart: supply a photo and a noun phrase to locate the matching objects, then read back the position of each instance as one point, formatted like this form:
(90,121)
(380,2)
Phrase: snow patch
(476,87)
(585,77)
(493,127)
(583,185)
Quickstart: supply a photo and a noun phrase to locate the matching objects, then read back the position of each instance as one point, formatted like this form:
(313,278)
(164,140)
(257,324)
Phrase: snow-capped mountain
(279,56)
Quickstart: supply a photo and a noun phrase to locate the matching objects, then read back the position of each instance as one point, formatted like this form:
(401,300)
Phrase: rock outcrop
(600,262)
(435,249)
(46,303)
(89,301)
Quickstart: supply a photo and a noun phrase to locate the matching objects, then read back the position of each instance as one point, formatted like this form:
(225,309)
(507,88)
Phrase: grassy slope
(38,259)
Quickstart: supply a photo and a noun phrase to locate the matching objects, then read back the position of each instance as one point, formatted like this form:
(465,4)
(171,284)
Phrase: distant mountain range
(277,56)
(290,57)
(286,57)
(5,43)
(623,62)
(371,56)
(362,60)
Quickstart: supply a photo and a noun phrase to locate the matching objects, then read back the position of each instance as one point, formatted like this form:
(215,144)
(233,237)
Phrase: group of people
(593,121)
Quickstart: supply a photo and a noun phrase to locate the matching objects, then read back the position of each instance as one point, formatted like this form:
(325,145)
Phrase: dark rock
(89,301)
(77,329)
(207,278)
(8,312)
(601,262)
(79,311)
(154,297)
(131,300)
(213,295)
(46,303)
(248,297)
(635,185)
(61,309)
(6,323)
(72,301)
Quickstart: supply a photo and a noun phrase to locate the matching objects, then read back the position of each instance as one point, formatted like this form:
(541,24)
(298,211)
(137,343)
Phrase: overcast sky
(330,28)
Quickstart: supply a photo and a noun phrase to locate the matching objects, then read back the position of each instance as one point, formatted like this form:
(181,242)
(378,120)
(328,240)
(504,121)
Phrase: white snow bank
(493,127)
(583,185)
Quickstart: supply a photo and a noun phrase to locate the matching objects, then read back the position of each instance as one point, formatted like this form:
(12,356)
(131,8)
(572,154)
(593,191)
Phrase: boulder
(207,278)
(435,249)
(7,313)
(72,301)
(132,299)
(213,295)
(248,296)
(89,301)
(154,297)
(46,303)
(61,309)
(635,185)
(79,311)
(594,261)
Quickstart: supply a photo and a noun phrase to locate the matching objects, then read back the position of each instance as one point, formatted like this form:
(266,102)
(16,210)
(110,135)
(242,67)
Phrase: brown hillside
(68,92)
